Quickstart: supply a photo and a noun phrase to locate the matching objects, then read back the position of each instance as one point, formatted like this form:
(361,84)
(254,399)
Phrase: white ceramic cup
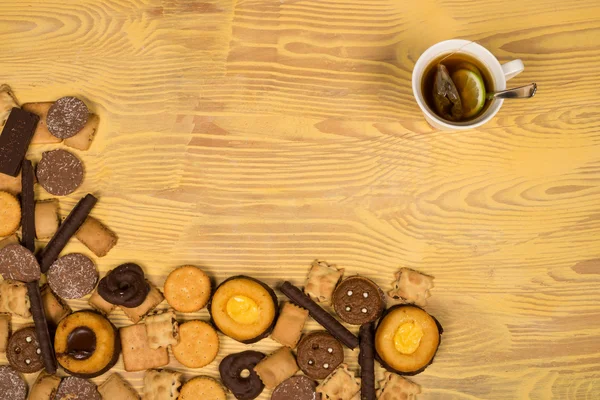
(500,74)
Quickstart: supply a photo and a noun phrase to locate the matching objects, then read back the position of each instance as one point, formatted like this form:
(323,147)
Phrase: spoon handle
(522,92)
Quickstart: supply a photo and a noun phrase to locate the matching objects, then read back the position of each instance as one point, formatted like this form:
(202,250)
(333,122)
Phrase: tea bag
(445,96)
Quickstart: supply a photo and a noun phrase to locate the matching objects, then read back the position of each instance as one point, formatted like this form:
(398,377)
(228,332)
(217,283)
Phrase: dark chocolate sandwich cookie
(319,353)
(72,276)
(297,387)
(74,388)
(19,264)
(23,351)
(12,385)
(238,375)
(59,172)
(67,117)
(358,300)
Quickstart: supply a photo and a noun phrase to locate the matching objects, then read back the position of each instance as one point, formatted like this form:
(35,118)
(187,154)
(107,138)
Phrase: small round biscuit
(198,344)
(202,387)
(187,289)
(10,214)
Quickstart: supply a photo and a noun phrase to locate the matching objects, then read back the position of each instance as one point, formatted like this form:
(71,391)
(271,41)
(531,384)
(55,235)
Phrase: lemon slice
(469,66)
(471,91)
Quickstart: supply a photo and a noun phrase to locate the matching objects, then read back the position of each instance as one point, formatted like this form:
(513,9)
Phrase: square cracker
(290,323)
(411,287)
(395,387)
(339,385)
(4,331)
(161,385)
(117,388)
(162,329)
(322,280)
(137,355)
(154,298)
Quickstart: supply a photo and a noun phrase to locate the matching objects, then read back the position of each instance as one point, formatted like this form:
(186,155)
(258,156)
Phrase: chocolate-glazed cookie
(238,375)
(358,300)
(319,353)
(297,387)
(59,172)
(72,276)
(124,286)
(66,117)
(23,351)
(73,388)
(12,385)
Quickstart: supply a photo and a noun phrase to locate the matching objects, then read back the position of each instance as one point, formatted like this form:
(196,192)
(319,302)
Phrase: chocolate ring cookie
(23,351)
(12,385)
(319,353)
(59,172)
(124,286)
(73,388)
(72,276)
(66,117)
(297,387)
(358,300)
(238,375)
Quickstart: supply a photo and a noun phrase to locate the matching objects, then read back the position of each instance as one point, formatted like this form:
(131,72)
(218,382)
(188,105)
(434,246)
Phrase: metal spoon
(522,92)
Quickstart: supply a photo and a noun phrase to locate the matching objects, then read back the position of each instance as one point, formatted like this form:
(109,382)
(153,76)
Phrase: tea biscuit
(12,239)
(395,387)
(137,355)
(162,329)
(289,325)
(42,135)
(187,289)
(99,304)
(4,331)
(12,384)
(340,385)
(161,385)
(11,184)
(54,308)
(96,236)
(153,299)
(321,282)
(83,139)
(411,287)
(10,214)
(47,218)
(202,387)
(117,388)
(7,102)
(198,344)
(276,367)
(73,388)
(45,387)
(14,298)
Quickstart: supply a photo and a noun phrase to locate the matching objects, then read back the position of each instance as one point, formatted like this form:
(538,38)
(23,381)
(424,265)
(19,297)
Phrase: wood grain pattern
(257,135)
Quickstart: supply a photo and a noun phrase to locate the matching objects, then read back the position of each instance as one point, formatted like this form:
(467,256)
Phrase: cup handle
(512,68)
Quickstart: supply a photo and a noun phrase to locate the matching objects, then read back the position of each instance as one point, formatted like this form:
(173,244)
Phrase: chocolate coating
(41,326)
(23,351)
(297,387)
(15,138)
(12,384)
(366,360)
(59,172)
(66,117)
(358,300)
(27,206)
(124,286)
(72,276)
(81,343)
(231,369)
(18,263)
(319,354)
(74,388)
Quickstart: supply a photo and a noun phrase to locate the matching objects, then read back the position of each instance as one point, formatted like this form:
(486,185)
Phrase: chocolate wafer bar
(27,207)
(67,229)
(15,139)
(366,360)
(326,320)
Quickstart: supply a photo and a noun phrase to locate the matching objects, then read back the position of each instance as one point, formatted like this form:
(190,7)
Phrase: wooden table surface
(254,136)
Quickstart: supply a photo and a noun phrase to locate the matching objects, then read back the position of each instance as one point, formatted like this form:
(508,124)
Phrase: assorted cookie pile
(394,330)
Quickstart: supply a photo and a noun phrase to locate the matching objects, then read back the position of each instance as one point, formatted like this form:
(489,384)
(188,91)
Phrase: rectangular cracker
(162,329)
(96,236)
(396,387)
(4,331)
(277,367)
(154,298)
(137,355)
(162,385)
(47,218)
(117,388)
(321,281)
(290,323)
(14,298)
(54,307)
(42,135)
(410,287)
(99,304)
(83,139)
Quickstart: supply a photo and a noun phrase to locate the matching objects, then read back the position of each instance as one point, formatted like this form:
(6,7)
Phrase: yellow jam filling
(408,337)
(242,310)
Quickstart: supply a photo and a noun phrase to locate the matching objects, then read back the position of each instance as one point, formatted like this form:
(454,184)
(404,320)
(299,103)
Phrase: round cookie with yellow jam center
(187,289)
(244,309)
(407,339)
(198,344)
(86,344)
(202,387)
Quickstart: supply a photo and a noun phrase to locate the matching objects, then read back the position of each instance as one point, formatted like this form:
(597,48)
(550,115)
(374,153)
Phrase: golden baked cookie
(198,344)
(202,387)
(10,214)
(187,289)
